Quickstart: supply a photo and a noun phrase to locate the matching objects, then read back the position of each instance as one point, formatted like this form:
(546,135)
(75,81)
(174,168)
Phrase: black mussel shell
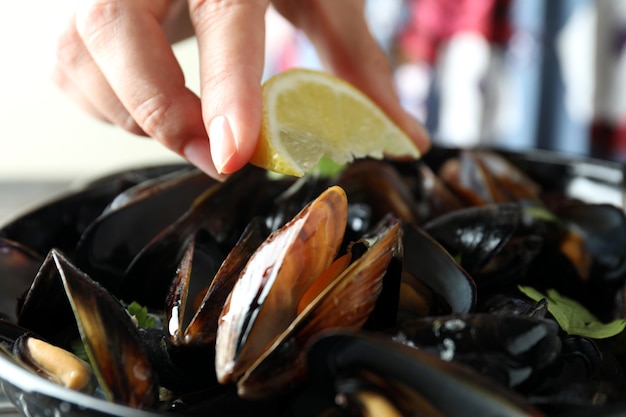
(60,223)
(132,219)
(452,389)
(432,264)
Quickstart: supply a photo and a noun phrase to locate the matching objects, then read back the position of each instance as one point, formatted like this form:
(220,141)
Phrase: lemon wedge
(309,114)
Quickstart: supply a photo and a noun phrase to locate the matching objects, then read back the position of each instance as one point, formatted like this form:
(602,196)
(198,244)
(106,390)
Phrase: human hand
(115,59)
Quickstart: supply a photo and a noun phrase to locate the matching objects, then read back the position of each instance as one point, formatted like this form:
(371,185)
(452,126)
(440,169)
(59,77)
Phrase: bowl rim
(29,382)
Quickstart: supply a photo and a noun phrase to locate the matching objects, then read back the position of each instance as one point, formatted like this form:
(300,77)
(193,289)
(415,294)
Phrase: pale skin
(114,58)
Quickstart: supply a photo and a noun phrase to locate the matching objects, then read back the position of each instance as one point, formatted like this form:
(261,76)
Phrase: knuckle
(200,9)
(95,16)
(200,6)
(151,116)
(69,49)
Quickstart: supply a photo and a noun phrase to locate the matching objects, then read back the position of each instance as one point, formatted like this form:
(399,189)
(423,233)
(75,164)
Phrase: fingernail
(198,153)
(223,146)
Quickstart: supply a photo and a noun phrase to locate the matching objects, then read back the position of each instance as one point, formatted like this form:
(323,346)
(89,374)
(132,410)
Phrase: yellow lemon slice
(309,114)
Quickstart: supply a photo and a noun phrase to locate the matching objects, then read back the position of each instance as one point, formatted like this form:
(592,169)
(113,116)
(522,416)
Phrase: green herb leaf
(573,318)
(140,313)
(327,168)
(540,212)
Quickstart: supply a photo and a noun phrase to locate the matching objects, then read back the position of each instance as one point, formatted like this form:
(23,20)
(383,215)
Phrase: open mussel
(483,177)
(54,363)
(33,353)
(183,351)
(107,332)
(379,187)
(433,196)
(222,211)
(386,289)
(264,300)
(294,286)
(344,297)
(194,321)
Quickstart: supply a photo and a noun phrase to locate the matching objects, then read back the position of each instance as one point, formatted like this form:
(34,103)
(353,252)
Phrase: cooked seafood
(389,289)
(264,301)
(110,338)
(53,363)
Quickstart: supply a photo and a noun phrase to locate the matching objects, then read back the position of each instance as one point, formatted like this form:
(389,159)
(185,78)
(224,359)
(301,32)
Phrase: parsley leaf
(140,313)
(327,168)
(573,318)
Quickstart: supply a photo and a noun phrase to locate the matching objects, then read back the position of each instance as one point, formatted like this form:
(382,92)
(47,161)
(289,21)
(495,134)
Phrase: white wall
(43,135)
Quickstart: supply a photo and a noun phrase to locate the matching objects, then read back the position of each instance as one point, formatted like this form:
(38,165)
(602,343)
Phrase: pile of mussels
(390,289)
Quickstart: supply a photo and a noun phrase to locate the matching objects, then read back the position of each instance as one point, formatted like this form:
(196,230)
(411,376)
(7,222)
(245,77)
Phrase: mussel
(110,338)
(390,288)
(442,388)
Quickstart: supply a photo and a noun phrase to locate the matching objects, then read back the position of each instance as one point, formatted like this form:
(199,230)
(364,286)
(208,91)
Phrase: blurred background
(43,135)
(549,74)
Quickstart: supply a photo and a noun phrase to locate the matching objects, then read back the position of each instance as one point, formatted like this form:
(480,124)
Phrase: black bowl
(583,178)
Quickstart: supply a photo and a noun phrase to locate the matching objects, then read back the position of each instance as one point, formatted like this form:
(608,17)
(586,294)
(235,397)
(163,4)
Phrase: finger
(231,36)
(127,43)
(339,32)
(66,84)
(176,23)
(77,75)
